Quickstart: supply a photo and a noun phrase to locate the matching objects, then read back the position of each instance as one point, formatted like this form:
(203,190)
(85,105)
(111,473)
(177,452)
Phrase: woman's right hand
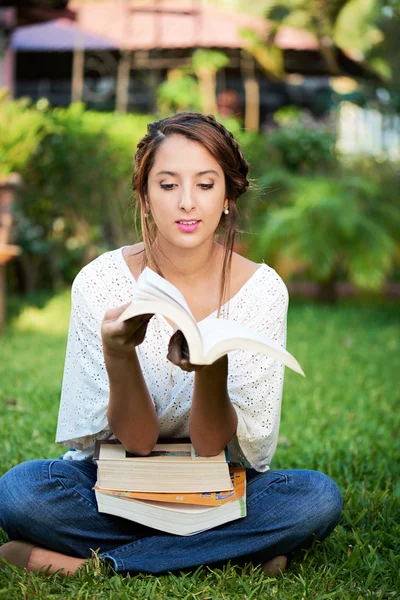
(121,339)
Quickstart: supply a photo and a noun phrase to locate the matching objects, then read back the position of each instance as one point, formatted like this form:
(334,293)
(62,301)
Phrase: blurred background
(309,88)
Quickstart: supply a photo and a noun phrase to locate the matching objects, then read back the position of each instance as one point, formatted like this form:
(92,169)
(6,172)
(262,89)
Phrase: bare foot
(40,558)
(276,566)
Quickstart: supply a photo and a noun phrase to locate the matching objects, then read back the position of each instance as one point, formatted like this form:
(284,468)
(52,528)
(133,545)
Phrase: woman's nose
(187,201)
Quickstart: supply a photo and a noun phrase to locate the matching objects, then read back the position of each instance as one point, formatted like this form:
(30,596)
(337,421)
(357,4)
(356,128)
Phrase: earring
(146,214)
(226,210)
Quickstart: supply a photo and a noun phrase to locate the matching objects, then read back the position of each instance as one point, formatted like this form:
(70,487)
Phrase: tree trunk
(122,91)
(324,33)
(252,92)
(207,84)
(78,67)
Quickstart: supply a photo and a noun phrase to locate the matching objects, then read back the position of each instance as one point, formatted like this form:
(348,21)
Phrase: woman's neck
(187,265)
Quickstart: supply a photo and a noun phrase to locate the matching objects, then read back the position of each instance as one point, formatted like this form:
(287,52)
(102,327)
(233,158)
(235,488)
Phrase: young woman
(133,381)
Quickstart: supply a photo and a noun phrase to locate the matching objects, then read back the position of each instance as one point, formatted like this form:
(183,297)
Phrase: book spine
(242,504)
(96,454)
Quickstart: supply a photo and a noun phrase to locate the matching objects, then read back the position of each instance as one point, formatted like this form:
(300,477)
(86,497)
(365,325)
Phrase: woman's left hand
(178,353)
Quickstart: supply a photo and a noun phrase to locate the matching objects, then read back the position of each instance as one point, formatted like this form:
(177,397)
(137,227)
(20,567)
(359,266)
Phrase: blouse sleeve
(85,389)
(255,381)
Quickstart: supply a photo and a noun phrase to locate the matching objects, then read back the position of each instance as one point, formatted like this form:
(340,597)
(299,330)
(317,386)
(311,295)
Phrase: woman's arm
(131,413)
(213,418)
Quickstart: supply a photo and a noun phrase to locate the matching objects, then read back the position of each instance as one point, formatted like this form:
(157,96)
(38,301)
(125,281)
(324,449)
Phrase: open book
(207,340)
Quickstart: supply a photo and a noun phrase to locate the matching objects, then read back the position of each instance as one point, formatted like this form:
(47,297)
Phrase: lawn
(343,419)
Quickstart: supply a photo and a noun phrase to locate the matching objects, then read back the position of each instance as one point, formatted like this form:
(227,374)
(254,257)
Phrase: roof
(60,35)
(165,24)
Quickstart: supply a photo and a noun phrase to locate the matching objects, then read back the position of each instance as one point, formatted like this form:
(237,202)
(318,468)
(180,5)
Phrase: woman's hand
(178,354)
(121,339)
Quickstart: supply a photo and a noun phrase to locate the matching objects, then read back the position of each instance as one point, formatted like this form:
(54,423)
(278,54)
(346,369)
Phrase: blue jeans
(51,503)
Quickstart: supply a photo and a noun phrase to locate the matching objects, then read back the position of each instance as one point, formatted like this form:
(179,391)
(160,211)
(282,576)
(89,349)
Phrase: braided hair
(221,144)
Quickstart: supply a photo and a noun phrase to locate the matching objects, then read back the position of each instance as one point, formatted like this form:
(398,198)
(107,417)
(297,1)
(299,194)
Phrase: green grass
(343,419)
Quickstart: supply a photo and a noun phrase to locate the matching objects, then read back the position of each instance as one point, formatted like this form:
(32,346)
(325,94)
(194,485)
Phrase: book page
(222,335)
(149,280)
(161,453)
(154,294)
(171,310)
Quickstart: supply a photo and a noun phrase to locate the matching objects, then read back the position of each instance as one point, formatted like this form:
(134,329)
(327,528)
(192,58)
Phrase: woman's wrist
(217,370)
(115,361)
(213,419)
(211,382)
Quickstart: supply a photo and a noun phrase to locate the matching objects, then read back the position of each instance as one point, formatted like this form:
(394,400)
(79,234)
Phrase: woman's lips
(188,226)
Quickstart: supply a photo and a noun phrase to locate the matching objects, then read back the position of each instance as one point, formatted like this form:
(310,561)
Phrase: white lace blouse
(255,381)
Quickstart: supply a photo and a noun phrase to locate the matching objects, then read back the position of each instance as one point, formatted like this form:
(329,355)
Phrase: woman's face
(186,192)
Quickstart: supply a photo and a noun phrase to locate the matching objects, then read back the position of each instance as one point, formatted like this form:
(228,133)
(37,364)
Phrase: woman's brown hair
(221,144)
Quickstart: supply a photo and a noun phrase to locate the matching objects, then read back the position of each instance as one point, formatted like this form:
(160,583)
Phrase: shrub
(300,149)
(336,216)
(21,131)
(76,200)
(333,225)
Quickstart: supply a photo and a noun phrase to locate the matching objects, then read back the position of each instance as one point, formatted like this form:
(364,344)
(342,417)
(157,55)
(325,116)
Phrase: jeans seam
(284,475)
(92,505)
(73,489)
(283,478)
(126,547)
(118,564)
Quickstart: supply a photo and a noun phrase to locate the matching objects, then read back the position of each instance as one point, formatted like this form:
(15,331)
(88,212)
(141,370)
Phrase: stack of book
(172,489)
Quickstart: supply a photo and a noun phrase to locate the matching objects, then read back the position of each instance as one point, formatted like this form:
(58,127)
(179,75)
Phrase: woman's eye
(170,186)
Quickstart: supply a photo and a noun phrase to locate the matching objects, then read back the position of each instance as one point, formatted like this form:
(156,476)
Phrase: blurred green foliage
(301,149)
(75,201)
(192,86)
(310,213)
(179,92)
(324,217)
(21,132)
(333,226)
